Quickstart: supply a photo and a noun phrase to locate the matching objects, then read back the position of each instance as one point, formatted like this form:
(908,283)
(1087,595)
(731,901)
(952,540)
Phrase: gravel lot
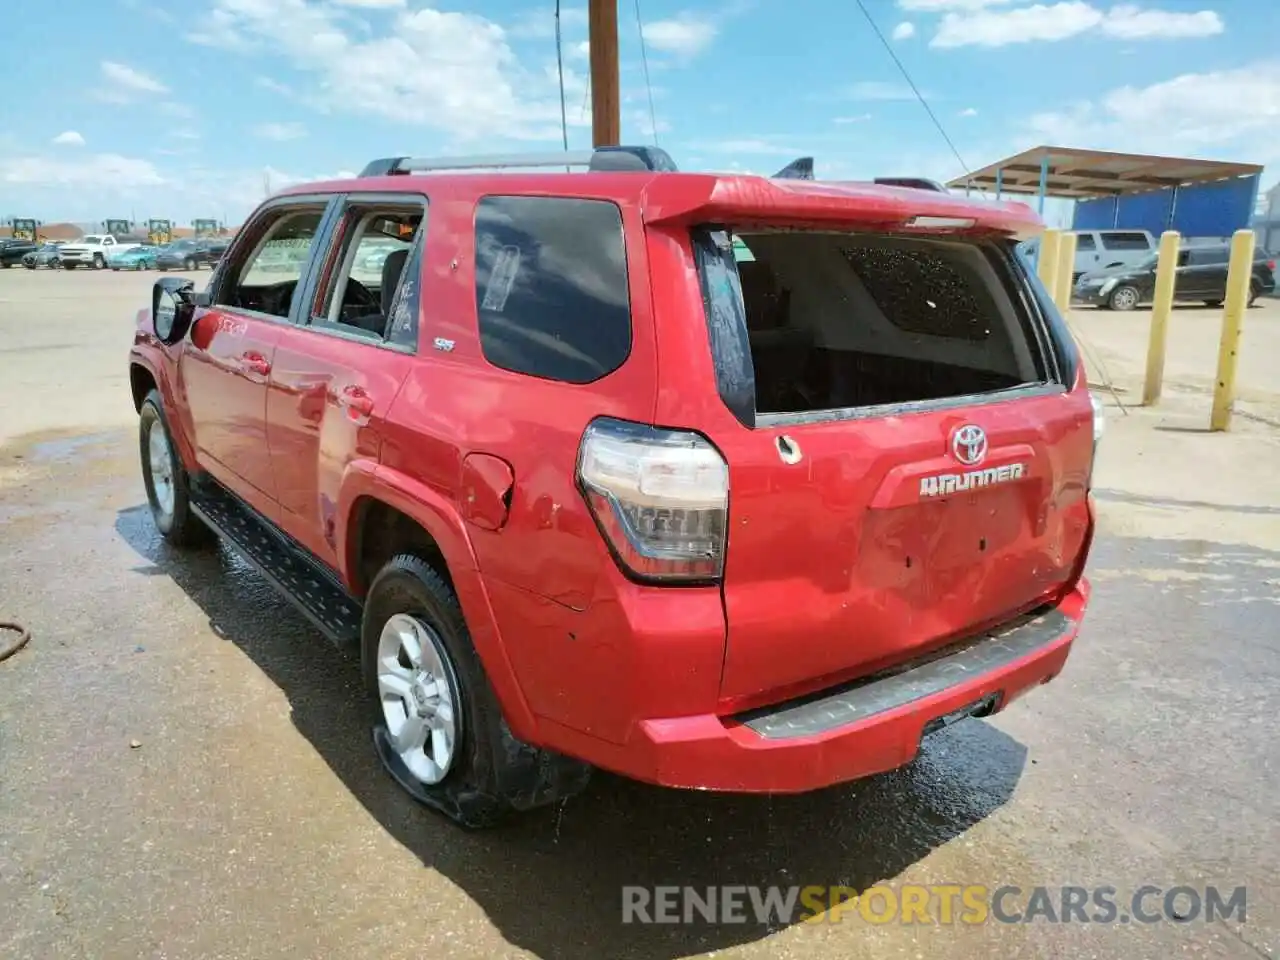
(252,820)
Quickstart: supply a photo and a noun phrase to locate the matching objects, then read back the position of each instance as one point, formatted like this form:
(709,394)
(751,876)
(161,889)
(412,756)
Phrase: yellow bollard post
(1239,281)
(1066,271)
(1166,276)
(1047,261)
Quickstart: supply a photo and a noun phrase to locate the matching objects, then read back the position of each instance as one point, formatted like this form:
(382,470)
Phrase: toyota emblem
(969,444)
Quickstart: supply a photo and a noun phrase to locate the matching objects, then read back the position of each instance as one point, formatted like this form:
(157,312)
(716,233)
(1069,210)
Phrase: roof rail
(601,159)
(916,183)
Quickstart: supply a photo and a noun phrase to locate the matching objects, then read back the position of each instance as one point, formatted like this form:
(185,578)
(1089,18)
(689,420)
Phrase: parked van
(1104,249)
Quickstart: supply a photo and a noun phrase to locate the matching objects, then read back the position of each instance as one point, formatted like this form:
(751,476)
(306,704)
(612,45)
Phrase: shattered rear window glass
(920,292)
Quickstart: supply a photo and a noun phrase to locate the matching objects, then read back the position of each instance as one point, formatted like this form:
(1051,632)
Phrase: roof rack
(599,160)
(916,183)
(799,169)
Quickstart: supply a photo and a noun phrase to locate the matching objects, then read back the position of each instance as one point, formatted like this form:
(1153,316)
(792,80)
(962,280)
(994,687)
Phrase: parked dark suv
(190,254)
(1202,275)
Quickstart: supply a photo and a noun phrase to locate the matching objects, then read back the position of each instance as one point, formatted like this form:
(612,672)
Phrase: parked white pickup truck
(93,251)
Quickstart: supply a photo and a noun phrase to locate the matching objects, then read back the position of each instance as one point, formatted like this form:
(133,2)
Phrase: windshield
(93,239)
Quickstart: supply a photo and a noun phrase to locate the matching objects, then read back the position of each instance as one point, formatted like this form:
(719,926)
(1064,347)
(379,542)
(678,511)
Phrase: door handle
(255,362)
(356,400)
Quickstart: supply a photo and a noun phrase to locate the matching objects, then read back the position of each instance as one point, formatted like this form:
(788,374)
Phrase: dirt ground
(251,819)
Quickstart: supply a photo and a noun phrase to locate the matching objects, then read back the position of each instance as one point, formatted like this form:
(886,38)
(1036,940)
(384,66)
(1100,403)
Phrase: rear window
(837,321)
(1126,241)
(551,287)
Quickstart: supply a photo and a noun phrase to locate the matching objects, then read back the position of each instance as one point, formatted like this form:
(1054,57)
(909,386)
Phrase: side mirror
(173,307)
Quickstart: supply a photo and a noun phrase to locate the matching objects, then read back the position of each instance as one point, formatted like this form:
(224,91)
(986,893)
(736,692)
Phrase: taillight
(660,498)
(1271,265)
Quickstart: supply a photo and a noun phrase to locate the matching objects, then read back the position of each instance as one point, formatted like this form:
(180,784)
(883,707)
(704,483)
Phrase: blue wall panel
(1098,214)
(1215,209)
(1146,211)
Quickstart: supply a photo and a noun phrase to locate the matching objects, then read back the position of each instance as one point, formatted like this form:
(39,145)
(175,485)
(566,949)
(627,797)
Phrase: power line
(644,59)
(564,121)
(914,89)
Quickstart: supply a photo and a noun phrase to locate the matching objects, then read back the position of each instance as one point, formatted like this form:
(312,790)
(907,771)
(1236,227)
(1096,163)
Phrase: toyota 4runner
(719,482)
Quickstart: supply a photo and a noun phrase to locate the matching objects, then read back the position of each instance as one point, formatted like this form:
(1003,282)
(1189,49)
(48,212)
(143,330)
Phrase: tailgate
(878,543)
(909,450)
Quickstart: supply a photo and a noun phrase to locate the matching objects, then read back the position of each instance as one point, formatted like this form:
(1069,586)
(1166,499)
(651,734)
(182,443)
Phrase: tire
(1213,303)
(190,264)
(1123,297)
(29,266)
(99,261)
(485,775)
(115,269)
(169,498)
(140,266)
(5,266)
(70,266)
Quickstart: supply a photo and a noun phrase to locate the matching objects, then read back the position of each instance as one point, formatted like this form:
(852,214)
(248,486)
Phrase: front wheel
(165,480)
(440,733)
(1123,298)
(70,266)
(99,261)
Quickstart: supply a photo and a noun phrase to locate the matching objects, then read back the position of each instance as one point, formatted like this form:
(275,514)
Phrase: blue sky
(195,109)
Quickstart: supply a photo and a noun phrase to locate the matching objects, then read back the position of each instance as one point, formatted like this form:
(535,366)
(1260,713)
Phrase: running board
(286,566)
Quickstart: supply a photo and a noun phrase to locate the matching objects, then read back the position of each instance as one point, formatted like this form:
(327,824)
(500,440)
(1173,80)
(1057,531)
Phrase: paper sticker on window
(501,279)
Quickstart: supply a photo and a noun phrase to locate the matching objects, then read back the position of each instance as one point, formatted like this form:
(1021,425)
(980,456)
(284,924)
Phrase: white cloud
(1231,113)
(968,112)
(127,79)
(94,171)
(541,24)
(68,138)
(280,131)
(938,6)
(990,28)
(904,31)
(1130,22)
(878,90)
(684,35)
(582,50)
(752,146)
(985,27)
(455,72)
(371,4)
(860,118)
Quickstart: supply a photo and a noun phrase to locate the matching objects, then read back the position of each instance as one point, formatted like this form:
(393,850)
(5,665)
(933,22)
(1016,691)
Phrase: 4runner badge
(969,447)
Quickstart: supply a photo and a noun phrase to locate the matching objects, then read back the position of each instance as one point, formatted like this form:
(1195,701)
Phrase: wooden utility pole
(606,110)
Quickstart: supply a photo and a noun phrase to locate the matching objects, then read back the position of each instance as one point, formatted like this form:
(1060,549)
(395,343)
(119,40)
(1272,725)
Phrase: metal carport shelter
(1212,197)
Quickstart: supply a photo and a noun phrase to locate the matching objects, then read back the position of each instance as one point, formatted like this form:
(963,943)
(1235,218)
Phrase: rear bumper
(854,731)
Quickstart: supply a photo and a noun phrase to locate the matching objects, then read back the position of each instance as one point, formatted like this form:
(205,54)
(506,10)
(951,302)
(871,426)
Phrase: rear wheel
(1213,303)
(166,481)
(1123,298)
(70,266)
(440,730)
(190,263)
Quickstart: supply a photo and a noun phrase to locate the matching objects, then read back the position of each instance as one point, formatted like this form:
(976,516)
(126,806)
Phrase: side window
(266,270)
(369,285)
(1207,258)
(1126,241)
(1084,242)
(551,287)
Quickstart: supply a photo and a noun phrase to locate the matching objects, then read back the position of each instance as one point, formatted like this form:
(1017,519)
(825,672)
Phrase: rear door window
(1084,241)
(551,287)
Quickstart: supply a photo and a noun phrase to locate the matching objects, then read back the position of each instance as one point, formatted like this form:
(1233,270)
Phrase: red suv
(719,482)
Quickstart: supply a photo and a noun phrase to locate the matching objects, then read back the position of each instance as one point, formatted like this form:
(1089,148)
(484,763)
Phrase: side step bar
(285,565)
